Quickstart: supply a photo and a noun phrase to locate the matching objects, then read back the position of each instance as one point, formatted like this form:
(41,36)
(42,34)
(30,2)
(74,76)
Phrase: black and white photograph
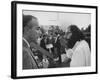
(54,39)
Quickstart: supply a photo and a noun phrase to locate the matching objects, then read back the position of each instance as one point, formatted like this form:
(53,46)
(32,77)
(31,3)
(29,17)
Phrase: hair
(26,20)
(77,35)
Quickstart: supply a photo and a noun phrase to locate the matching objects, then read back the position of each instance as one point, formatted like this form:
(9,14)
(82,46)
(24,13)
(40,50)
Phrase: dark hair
(27,19)
(56,33)
(77,35)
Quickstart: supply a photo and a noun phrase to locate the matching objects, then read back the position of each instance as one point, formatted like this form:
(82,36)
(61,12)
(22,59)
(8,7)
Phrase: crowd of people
(54,47)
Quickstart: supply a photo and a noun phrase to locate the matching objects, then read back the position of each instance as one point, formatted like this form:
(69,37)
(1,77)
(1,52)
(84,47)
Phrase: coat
(81,55)
(28,60)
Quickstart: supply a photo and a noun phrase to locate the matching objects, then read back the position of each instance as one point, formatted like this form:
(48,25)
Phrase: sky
(61,18)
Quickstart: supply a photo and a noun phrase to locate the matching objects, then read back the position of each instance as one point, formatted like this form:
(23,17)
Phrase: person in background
(43,42)
(57,46)
(78,49)
(39,34)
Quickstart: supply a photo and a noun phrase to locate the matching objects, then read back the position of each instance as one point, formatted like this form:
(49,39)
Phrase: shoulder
(81,48)
(82,44)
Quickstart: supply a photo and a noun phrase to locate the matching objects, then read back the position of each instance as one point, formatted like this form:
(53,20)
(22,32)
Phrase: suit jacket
(57,45)
(28,60)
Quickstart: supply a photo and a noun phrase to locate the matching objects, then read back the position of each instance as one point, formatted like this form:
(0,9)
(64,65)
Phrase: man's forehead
(34,21)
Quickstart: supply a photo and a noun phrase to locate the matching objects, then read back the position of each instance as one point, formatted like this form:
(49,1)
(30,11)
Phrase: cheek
(35,34)
(69,35)
(32,35)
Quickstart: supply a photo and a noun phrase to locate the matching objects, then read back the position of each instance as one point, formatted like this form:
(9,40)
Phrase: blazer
(28,60)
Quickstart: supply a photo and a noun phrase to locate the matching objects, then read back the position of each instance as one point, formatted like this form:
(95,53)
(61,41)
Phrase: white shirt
(81,54)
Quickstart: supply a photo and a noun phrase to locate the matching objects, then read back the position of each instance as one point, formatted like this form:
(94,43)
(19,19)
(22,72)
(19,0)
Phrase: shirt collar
(26,42)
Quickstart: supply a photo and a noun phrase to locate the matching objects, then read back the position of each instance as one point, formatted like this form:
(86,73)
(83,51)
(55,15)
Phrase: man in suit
(30,25)
(31,60)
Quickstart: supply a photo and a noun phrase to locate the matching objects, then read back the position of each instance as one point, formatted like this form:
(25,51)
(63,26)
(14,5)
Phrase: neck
(25,37)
